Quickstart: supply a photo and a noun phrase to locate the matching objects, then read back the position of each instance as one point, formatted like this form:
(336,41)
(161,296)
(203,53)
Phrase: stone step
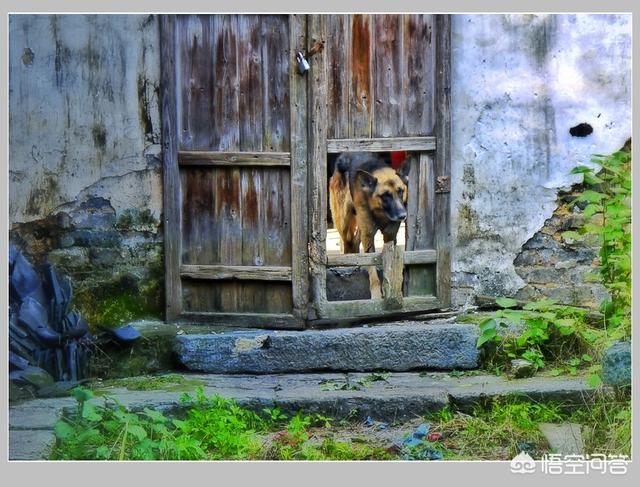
(392,397)
(394,347)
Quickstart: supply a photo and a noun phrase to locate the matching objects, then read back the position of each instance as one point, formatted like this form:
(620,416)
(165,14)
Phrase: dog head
(386,190)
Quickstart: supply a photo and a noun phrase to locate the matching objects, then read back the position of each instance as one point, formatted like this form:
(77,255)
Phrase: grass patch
(213,428)
(504,428)
(498,432)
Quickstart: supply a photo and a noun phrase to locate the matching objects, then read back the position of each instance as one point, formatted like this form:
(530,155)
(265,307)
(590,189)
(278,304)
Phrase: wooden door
(234,135)
(382,84)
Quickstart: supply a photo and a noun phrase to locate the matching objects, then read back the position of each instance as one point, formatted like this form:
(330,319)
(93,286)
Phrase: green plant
(549,332)
(608,216)
(212,428)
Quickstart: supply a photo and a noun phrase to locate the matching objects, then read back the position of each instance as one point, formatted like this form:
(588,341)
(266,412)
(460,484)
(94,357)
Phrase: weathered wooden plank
(251,111)
(421,280)
(411,257)
(388,72)
(196,82)
(170,175)
(338,52)
(233,159)
(200,230)
(247,273)
(253,231)
(226,101)
(275,82)
(392,272)
(277,219)
(382,144)
(376,307)
(298,144)
(361,75)
(205,295)
(443,155)
(244,320)
(317,172)
(228,221)
(419,75)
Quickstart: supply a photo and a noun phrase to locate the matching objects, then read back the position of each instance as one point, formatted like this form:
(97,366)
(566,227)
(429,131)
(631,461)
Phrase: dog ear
(403,170)
(367,180)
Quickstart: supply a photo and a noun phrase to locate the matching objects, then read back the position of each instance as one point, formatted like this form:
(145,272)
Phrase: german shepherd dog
(367,195)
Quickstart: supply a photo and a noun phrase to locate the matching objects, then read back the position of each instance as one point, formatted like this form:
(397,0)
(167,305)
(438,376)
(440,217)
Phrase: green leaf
(591,196)
(571,235)
(487,324)
(82,394)
(591,210)
(542,305)
(137,431)
(155,415)
(594,380)
(484,338)
(586,357)
(63,430)
(103,452)
(90,413)
(506,302)
(581,170)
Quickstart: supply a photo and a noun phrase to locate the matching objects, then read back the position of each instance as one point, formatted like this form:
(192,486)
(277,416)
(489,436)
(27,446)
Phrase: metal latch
(303,64)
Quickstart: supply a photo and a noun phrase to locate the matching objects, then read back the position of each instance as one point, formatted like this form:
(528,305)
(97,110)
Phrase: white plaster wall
(83,113)
(519,82)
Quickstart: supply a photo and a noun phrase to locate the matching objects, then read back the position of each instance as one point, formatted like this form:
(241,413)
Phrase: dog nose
(401,216)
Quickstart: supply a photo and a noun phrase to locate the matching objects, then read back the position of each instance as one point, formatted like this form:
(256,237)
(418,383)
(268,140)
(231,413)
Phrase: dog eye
(386,194)
(400,192)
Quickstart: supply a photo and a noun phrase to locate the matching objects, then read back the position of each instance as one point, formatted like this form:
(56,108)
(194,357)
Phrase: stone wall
(85,159)
(560,268)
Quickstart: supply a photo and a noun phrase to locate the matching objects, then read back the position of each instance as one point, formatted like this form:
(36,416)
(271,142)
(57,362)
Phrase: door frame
(322,310)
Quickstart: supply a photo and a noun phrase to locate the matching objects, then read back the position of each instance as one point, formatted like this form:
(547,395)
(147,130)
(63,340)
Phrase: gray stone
(398,347)
(30,444)
(521,368)
(616,364)
(564,439)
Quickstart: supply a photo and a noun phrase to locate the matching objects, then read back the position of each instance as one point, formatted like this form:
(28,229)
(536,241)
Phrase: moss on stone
(169,382)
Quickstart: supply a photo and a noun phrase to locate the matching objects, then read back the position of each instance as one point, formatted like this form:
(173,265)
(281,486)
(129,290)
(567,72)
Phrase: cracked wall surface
(85,158)
(519,83)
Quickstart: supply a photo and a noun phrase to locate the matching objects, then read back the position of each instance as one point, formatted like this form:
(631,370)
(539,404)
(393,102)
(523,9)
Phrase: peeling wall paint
(83,112)
(519,83)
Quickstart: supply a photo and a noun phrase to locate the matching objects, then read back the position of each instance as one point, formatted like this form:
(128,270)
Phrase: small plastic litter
(422,430)
(435,436)
(416,446)
(369,422)
(125,334)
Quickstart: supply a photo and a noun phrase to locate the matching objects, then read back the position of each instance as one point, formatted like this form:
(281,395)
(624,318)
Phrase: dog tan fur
(367,195)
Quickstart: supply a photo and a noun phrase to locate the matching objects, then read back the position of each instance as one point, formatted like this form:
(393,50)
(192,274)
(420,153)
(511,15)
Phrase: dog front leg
(374,281)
